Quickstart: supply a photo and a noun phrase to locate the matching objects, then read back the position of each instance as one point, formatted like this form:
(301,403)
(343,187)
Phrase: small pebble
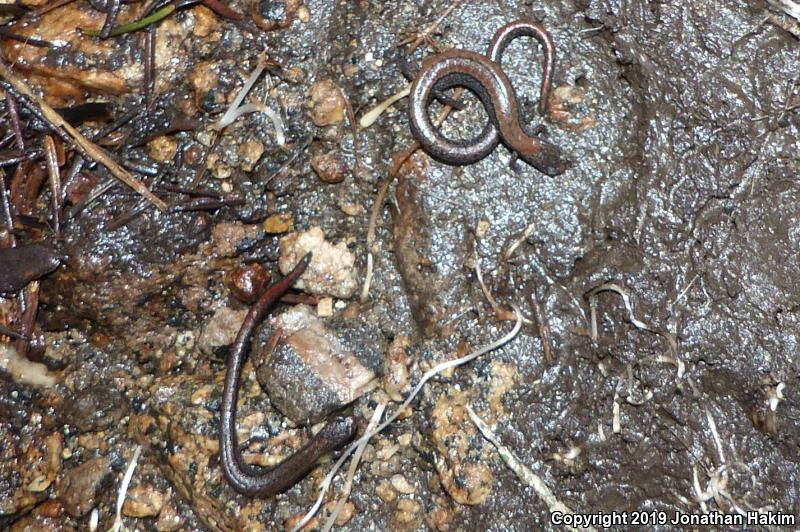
(327,103)
(402,485)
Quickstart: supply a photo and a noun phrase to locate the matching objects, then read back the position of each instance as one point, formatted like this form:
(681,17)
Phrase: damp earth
(656,368)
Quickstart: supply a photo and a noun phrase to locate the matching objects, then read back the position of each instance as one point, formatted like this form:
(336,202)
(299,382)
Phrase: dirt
(663,266)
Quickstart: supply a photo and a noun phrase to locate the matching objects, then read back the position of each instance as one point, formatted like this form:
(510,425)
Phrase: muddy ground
(657,365)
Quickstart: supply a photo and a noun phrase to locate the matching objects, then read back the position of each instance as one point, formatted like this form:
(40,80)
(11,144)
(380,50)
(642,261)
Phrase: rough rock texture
(82,485)
(682,123)
(331,271)
(306,368)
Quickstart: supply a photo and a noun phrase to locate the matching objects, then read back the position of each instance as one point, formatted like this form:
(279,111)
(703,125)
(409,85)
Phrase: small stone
(567,107)
(204,79)
(143,501)
(332,269)
(221,329)
(400,484)
(482,229)
(247,282)
(407,513)
(95,408)
(205,22)
(344,515)
(274,14)
(303,15)
(310,372)
(387,452)
(385,491)
(42,463)
(202,394)
(395,377)
(50,508)
(325,307)
(163,148)
(442,515)
(169,520)
(279,223)
(351,208)
(230,239)
(249,153)
(329,167)
(327,103)
(81,487)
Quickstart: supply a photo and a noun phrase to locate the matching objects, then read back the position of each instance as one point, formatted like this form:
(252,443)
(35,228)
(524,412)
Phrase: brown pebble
(385,491)
(395,378)
(271,15)
(170,519)
(50,508)
(279,223)
(193,154)
(247,282)
(143,501)
(94,408)
(401,484)
(329,167)
(294,75)
(407,514)
(80,488)
(327,103)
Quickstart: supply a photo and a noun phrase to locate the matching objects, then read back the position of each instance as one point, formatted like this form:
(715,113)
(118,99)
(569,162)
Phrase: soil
(657,366)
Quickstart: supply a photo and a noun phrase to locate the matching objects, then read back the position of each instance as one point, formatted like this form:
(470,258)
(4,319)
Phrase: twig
(712,425)
(528,477)
(486,293)
(351,117)
(543,326)
(55,181)
(789,7)
(13,113)
(425,378)
(376,207)
(123,489)
(425,33)
(5,203)
(92,150)
(626,300)
(518,242)
(348,485)
(368,118)
(149,52)
(373,217)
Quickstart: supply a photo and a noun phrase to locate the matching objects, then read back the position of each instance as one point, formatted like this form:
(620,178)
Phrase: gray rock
(307,369)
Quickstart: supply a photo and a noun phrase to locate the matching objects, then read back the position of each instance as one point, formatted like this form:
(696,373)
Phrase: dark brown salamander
(483,76)
(21,265)
(267,481)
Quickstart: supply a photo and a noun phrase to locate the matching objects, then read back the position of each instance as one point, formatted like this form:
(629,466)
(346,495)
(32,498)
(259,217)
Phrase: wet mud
(657,364)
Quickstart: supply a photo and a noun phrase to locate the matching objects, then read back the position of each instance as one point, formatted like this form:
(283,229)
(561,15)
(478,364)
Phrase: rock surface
(82,485)
(306,368)
(332,269)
